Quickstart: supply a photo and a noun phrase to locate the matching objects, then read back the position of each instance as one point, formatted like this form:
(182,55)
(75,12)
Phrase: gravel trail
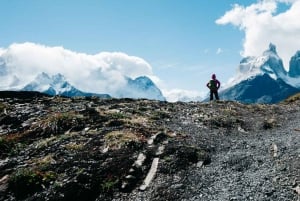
(248,165)
(251,160)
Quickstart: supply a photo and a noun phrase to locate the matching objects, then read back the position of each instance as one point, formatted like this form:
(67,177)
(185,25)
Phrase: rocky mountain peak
(273,64)
(269,62)
(141,87)
(294,70)
(258,77)
(43,78)
(58,78)
(52,85)
(272,49)
(57,85)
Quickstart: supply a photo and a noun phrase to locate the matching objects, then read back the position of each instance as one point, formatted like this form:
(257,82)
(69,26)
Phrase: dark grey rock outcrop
(294,70)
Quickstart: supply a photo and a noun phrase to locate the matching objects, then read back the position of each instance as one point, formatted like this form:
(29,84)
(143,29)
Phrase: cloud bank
(262,25)
(175,95)
(100,73)
(104,72)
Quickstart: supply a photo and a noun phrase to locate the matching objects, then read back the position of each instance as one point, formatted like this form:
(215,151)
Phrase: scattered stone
(297,190)
(274,150)
(150,174)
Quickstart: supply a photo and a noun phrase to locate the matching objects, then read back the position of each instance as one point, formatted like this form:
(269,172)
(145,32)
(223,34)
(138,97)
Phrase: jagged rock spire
(294,70)
(272,48)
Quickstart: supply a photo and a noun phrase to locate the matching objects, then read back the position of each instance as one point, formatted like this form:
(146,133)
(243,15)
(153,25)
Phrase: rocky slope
(55,148)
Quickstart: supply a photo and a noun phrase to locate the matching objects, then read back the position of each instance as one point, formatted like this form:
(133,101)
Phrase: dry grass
(2,107)
(292,98)
(116,139)
(45,142)
(73,146)
(43,161)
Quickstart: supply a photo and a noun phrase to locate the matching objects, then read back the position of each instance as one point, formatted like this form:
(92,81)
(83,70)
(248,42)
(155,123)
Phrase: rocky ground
(55,148)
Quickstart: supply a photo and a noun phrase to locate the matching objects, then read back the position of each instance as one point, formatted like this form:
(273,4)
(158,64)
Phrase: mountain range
(260,79)
(57,85)
(263,79)
(141,87)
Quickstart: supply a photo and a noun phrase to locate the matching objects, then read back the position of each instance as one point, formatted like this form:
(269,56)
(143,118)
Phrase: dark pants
(212,93)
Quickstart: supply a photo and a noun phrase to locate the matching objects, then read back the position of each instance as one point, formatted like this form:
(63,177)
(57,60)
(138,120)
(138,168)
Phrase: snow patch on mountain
(250,67)
(57,85)
(104,72)
(141,87)
(263,79)
(180,95)
(53,85)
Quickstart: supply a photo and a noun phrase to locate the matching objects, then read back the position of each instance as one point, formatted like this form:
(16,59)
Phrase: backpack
(213,85)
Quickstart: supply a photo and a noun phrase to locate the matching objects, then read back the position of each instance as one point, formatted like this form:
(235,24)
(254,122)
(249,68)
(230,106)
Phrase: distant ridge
(57,85)
(141,87)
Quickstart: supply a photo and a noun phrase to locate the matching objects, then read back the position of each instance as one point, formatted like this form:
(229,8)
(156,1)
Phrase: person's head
(213,76)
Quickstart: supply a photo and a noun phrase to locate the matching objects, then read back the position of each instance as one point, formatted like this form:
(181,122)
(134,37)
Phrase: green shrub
(109,184)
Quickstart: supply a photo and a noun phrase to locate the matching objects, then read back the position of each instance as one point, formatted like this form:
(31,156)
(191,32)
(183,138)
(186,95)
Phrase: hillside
(55,148)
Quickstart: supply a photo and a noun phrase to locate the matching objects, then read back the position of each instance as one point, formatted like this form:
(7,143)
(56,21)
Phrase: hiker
(213,85)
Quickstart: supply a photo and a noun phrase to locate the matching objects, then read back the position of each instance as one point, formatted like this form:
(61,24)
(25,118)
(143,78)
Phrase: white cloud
(263,25)
(102,73)
(175,95)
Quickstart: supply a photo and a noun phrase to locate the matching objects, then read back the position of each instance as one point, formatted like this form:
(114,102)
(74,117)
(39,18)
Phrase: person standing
(213,85)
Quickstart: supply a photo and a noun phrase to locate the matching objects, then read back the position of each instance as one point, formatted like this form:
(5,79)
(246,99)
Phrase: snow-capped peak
(263,79)
(43,79)
(273,65)
(53,85)
(269,63)
(58,78)
(271,50)
(141,87)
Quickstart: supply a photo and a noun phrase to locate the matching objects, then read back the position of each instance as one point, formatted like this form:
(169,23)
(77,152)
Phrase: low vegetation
(55,148)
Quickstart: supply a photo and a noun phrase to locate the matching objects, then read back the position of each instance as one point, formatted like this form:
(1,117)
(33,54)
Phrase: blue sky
(181,40)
